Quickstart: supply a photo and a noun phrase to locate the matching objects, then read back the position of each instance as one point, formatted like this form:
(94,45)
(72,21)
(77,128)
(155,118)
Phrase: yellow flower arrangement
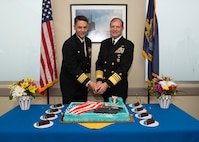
(25,87)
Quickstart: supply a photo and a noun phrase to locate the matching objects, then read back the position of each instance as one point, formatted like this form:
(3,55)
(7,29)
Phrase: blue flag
(151,41)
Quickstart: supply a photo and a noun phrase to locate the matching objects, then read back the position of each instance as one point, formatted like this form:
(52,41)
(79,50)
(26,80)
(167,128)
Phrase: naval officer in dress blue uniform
(114,61)
(76,64)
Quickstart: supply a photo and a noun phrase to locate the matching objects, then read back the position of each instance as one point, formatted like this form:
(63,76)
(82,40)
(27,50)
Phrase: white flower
(166,84)
(18,91)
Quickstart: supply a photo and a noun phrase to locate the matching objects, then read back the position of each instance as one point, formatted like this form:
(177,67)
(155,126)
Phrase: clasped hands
(98,87)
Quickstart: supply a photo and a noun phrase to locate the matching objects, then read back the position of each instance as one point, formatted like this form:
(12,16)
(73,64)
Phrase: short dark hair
(117,19)
(80,17)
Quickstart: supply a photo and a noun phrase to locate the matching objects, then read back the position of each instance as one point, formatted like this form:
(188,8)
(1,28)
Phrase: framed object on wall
(99,16)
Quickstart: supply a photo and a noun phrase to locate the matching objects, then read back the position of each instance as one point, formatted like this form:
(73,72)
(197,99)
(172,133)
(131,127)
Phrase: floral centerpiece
(159,86)
(24,87)
(163,88)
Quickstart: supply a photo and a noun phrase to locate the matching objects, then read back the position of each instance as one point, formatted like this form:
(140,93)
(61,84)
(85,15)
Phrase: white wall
(20,39)
(178,38)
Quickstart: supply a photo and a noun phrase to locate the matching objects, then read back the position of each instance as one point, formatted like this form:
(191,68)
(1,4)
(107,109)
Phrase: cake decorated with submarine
(91,111)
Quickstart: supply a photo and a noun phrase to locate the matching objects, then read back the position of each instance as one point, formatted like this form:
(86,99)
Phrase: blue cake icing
(91,116)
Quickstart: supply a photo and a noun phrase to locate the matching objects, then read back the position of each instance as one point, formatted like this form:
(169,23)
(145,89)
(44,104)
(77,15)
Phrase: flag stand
(151,42)
(47,95)
(148,97)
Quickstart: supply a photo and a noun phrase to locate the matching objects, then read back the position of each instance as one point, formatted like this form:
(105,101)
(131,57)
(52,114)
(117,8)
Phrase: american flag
(85,107)
(48,67)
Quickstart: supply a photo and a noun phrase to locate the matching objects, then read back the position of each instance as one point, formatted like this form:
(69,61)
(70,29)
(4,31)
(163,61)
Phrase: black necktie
(113,42)
(84,46)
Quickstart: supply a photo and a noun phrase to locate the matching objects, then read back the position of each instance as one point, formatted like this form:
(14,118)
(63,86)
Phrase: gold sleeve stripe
(99,74)
(82,77)
(115,78)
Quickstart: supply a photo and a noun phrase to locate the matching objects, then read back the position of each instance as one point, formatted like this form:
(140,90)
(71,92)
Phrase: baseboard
(184,91)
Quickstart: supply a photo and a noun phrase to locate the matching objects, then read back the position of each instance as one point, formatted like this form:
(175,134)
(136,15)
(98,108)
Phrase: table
(175,125)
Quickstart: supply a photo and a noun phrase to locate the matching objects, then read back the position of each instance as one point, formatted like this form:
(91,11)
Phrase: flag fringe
(145,54)
(47,85)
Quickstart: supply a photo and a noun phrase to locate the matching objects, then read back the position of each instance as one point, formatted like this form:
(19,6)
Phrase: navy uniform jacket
(112,66)
(75,69)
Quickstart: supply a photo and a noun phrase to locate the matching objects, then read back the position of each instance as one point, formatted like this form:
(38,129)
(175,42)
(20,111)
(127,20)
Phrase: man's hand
(91,86)
(101,88)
